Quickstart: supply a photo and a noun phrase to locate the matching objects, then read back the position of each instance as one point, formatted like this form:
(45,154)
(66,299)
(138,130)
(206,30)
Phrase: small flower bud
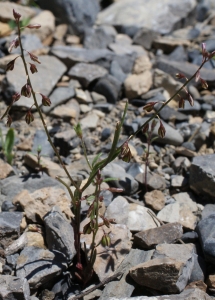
(78,130)
(106,240)
(26,90)
(9,121)
(33,68)
(10,65)
(16,15)
(33,26)
(204,83)
(145,128)
(106,222)
(34,57)
(181,103)
(29,117)
(154,123)
(179,75)
(45,100)
(149,106)
(190,99)
(125,154)
(115,190)
(87,228)
(14,44)
(16,96)
(161,130)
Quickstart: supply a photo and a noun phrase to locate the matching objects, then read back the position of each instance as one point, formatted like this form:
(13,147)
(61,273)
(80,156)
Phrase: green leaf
(110,179)
(154,138)
(9,141)
(96,159)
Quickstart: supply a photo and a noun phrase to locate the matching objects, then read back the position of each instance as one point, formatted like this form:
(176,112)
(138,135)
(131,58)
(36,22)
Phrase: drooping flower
(125,153)
(161,130)
(149,106)
(16,15)
(29,117)
(26,90)
(33,68)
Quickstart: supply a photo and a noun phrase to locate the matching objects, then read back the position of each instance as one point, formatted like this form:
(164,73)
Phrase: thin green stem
(85,153)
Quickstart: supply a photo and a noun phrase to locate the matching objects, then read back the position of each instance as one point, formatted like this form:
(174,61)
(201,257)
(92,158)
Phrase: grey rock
(188,69)
(124,287)
(86,73)
(188,294)
(12,287)
(39,266)
(59,233)
(208,210)
(64,289)
(125,181)
(154,181)
(31,183)
(78,14)
(9,227)
(130,15)
(117,72)
(12,260)
(168,112)
(109,87)
(172,136)
(144,37)
(100,37)
(8,206)
(70,55)
(167,233)
(50,71)
(29,41)
(190,237)
(199,269)
(40,140)
(104,107)
(205,230)
(105,134)
(202,175)
(59,96)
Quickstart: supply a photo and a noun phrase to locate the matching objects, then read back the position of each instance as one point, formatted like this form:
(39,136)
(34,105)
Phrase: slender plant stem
(39,110)
(85,153)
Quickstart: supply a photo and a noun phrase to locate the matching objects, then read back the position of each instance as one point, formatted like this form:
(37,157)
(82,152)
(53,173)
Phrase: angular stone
(186,68)
(59,96)
(59,233)
(134,216)
(167,233)
(202,175)
(123,287)
(142,63)
(86,73)
(168,271)
(188,294)
(125,180)
(130,15)
(6,170)
(205,230)
(39,266)
(6,12)
(90,121)
(70,110)
(154,181)
(47,21)
(40,202)
(138,84)
(155,200)
(108,259)
(12,287)
(9,227)
(50,71)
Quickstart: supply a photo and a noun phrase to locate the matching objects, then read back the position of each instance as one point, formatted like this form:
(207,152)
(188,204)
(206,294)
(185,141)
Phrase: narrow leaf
(96,159)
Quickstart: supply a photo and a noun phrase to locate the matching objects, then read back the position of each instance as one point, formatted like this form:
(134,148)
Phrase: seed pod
(161,130)
(9,121)
(45,100)
(33,68)
(106,240)
(26,90)
(16,15)
(29,117)
(149,106)
(125,153)
(16,96)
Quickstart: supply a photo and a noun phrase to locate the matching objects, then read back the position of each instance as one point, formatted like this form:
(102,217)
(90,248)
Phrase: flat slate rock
(12,287)
(39,266)
(50,71)
(132,15)
(86,73)
(202,175)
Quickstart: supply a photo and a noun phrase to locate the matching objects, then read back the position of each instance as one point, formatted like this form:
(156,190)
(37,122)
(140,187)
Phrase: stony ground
(95,56)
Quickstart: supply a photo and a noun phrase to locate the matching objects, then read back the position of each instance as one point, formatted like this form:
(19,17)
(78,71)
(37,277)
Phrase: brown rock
(151,274)
(155,200)
(40,202)
(4,29)
(167,233)
(142,63)
(60,32)
(108,259)
(47,21)
(6,170)
(197,284)
(211,281)
(138,84)
(35,239)
(6,11)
